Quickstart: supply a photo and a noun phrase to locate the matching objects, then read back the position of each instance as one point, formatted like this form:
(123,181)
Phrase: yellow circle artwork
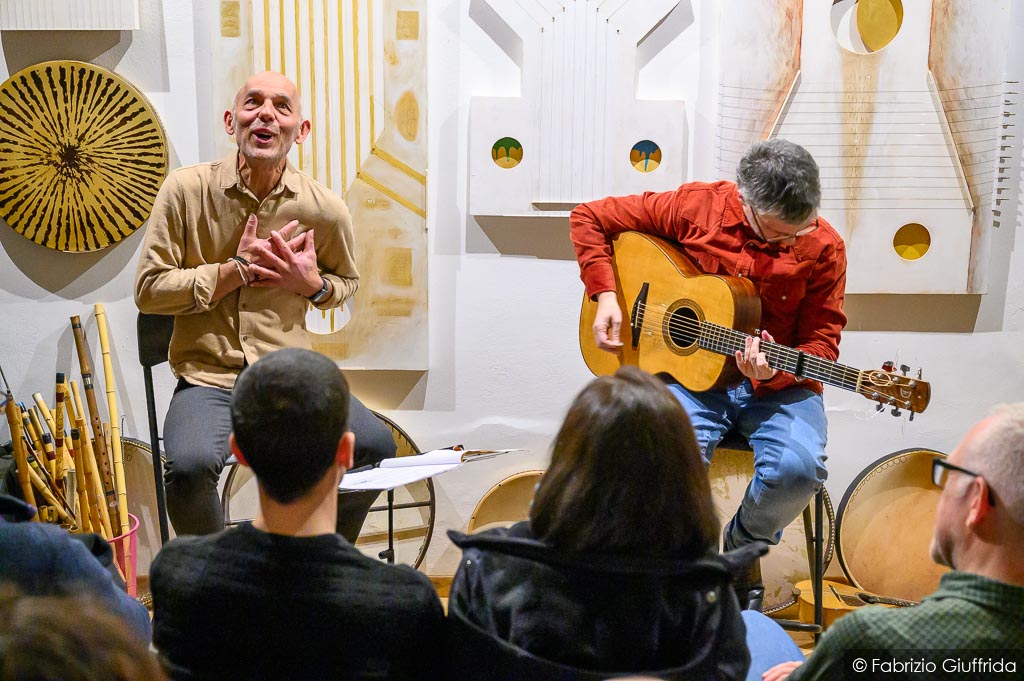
(507,152)
(878,22)
(82,155)
(912,241)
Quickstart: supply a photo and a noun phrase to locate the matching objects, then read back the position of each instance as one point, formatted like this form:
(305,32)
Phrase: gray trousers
(196,432)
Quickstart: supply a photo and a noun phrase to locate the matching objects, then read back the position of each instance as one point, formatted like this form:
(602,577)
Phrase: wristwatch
(321,294)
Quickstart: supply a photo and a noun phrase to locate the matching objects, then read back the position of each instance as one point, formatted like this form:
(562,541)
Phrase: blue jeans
(786,430)
(768,644)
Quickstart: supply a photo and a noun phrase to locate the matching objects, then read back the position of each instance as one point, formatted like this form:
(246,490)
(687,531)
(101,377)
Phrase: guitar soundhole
(683,327)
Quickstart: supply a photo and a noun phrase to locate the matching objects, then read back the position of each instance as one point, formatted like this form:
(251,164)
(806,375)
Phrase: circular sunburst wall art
(82,155)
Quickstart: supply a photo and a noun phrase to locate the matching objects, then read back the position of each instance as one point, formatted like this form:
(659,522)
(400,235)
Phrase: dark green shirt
(967,612)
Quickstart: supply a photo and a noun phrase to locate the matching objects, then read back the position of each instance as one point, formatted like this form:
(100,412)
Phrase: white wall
(504,295)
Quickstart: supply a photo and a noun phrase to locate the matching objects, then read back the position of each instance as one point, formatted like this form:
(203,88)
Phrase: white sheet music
(404,470)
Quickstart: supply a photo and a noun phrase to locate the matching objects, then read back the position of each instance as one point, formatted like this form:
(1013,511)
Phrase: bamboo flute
(58,432)
(47,417)
(89,476)
(45,488)
(81,490)
(87,488)
(115,430)
(94,413)
(20,455)
(30,426)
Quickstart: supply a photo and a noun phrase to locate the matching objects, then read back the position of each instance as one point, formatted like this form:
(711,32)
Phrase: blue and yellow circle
(645,156)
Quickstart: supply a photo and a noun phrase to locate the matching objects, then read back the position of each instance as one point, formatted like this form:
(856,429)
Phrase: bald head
(269,83)
(995,449)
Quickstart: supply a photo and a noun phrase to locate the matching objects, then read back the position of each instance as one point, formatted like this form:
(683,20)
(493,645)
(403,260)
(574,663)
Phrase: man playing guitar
(764,228)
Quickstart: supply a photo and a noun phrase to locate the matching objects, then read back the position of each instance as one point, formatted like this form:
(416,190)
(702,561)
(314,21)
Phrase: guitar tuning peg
(888,366)
(911,416)
(918,374)
(904,369)
(879,407)
(896,411)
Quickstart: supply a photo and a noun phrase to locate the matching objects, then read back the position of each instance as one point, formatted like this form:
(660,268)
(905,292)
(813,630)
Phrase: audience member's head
(72,639)
(626,475)
(979,521)
(289,412)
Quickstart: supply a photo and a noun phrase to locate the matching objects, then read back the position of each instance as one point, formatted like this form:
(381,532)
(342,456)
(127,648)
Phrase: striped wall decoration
(69,15)
(82,155)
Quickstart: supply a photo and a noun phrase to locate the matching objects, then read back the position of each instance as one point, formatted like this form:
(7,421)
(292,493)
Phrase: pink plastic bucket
(126,551)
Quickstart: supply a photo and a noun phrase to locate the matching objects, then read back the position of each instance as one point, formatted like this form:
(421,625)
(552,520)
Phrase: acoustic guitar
(839,599)
(689,324)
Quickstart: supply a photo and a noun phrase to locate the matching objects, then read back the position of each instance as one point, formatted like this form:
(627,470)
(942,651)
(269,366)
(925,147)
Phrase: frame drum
(885,525)
(787,563)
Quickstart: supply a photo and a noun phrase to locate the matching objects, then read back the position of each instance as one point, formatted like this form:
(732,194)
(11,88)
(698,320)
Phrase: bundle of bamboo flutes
(75,479)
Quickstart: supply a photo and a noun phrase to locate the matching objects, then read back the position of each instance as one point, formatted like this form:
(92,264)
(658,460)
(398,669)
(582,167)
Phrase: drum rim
(852,492)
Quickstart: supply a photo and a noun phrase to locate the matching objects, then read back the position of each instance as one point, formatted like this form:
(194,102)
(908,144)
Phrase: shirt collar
(229,177)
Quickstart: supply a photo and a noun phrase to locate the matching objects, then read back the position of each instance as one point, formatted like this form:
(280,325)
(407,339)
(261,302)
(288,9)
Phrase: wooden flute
(94,414)
(116,455)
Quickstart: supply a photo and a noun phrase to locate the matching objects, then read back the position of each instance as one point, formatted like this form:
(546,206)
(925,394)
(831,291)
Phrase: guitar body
(849,598)
(678,296)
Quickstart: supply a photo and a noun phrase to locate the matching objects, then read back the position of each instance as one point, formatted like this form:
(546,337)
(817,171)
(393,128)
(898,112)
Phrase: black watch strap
(322,293)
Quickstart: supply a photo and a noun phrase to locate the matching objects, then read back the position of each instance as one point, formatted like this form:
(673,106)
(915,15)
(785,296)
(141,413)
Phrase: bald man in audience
(973,626)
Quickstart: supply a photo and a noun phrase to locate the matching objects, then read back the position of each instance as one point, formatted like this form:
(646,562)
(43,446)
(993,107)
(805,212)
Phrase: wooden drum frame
(885,525)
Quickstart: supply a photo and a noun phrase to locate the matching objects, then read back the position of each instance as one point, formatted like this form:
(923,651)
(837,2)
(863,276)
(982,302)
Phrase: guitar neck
(726,341)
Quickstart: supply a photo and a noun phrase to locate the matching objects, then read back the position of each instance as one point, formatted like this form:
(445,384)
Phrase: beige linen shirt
(196,224)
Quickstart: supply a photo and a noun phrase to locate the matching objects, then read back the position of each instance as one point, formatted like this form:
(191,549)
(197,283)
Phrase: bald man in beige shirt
(237,250)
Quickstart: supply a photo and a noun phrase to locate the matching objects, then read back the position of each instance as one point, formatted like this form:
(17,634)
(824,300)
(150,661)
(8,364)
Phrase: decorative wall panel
(360,66)
(905,127)
(577,131)
(70,15)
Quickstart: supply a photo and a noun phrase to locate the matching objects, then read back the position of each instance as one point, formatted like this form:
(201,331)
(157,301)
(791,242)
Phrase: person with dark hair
(285,597)
(40,559)
(766,228)
(237,250)
(616,570)
(71,638)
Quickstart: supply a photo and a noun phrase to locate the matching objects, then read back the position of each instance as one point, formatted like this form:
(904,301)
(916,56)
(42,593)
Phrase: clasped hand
(280,260)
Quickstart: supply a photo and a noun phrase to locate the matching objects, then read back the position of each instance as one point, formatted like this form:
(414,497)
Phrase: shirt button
(245,338)
(783,297)
(245,306)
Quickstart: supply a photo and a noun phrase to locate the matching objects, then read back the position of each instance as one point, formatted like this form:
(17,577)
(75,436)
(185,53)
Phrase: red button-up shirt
(801,286)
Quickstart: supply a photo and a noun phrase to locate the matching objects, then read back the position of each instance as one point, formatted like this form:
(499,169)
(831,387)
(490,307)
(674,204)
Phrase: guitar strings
(719,337)
(725,340)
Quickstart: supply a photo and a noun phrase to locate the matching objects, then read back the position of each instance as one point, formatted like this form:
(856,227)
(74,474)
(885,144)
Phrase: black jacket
(531,611)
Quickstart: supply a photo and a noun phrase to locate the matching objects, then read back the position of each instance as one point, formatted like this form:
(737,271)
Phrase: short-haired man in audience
(979,606)
(284,596)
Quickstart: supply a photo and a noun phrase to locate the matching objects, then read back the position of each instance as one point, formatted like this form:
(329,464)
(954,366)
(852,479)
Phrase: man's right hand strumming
(608,322)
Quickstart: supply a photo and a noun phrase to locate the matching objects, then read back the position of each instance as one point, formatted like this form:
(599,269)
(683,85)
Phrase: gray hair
(780,178)
(1000,458)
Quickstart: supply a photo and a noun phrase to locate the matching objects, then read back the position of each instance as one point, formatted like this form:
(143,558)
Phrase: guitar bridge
(636,315)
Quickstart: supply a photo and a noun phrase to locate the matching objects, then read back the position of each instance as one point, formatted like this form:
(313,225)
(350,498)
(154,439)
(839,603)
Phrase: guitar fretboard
(726,341)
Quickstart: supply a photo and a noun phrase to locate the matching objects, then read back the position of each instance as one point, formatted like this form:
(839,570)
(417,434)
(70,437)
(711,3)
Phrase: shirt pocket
(781,297)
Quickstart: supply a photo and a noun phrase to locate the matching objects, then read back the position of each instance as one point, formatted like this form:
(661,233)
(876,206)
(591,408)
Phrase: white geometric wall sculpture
(904,159)
(578,131)
(69,15)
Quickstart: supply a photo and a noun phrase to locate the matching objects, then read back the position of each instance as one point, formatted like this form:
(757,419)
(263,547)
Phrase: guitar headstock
(896,390)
